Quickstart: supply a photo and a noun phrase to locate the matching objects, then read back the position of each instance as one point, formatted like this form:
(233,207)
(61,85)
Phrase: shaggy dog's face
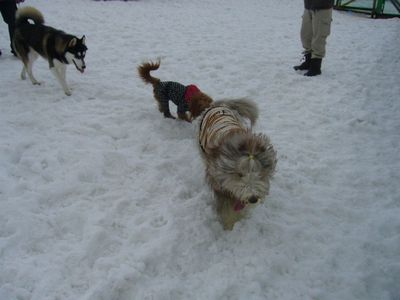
(243,167)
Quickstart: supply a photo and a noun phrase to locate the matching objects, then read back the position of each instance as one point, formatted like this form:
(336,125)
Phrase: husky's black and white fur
(239,163)
(59,48)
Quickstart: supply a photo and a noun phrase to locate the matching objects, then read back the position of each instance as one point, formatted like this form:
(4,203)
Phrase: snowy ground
(101,198)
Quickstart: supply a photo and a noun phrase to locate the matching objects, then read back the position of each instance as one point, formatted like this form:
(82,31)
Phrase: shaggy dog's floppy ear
(265,153)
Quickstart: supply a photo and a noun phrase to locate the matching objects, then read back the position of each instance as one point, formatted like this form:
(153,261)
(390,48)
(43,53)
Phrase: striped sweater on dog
(216,123)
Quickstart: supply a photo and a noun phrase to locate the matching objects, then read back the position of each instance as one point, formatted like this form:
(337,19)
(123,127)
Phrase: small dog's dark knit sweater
(174,91)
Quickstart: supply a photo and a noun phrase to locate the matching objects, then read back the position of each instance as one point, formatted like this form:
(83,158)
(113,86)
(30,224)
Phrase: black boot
(306,63)
(315,67)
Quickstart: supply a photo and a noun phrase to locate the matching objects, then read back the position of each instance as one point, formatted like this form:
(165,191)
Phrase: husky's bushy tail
(145,69)
(245,107)
(28,13)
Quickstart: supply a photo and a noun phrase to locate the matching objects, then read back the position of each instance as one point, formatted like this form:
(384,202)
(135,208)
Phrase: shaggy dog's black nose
(253,199)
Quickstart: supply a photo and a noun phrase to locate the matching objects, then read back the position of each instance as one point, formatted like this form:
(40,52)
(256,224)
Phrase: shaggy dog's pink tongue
(238,206)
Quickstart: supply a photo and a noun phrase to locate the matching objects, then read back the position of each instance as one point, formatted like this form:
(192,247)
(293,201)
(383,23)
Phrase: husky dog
(239,163)
(190,101)
(59,48)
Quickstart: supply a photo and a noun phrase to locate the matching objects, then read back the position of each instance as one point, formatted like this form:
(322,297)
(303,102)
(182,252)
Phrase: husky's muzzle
(82,67)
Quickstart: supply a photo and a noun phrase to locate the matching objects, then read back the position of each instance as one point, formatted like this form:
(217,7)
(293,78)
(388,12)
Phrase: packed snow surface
(102,198)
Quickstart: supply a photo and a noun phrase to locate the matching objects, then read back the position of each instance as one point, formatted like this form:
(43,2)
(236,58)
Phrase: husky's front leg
(59,71)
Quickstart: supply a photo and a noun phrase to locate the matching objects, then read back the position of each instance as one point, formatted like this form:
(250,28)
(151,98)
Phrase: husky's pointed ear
(72,42)
(83,40)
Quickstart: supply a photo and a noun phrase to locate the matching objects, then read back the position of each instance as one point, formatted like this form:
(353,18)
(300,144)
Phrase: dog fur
(59,48)
(239,163)
(197,104)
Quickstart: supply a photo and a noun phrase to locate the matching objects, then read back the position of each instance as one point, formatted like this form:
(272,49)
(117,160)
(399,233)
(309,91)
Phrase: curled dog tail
(245,107)
(28,13)
(145,69)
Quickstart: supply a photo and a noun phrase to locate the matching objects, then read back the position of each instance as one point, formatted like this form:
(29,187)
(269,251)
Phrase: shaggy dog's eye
(240,175)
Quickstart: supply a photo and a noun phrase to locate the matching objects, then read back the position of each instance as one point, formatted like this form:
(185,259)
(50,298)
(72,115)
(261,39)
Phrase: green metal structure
(376,8)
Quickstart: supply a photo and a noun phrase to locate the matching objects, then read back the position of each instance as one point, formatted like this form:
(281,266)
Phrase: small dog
(190,101)
(239,163)
(60,49)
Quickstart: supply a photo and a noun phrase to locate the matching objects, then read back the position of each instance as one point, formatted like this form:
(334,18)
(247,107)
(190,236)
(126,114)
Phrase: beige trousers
(315,28)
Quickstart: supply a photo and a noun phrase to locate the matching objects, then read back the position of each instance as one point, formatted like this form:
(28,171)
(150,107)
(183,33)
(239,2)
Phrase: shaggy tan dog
(239,163)
(190,101)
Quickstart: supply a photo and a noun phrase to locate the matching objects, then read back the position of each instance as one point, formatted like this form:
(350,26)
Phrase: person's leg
(8,9)
(306,34)
(321,24)
(2,14)
(322,20)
